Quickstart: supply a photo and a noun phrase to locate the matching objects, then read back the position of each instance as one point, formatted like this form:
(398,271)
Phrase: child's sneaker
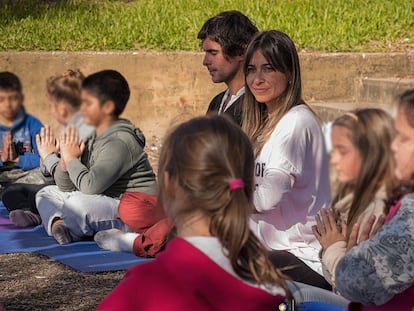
(21,218)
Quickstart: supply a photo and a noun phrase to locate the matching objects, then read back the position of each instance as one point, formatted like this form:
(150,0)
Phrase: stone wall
(171,87)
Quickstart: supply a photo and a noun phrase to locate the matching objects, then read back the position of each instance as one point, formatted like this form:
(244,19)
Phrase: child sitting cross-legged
(92,176)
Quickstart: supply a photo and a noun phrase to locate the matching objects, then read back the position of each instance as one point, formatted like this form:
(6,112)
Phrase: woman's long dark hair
(280,51)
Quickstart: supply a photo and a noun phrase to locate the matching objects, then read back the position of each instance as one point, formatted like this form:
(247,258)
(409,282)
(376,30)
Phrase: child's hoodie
(24,130)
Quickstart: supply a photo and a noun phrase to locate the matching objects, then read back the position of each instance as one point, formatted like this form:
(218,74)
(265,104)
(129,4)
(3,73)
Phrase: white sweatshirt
(292,184)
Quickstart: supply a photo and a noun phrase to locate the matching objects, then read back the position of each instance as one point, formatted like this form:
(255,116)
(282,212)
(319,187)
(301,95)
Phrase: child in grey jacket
(92,176)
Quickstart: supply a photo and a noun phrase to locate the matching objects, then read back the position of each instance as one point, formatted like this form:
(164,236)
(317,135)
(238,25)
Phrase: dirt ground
(35,282)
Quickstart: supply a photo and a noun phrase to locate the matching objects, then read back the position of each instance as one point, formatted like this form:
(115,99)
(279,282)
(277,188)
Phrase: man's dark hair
(231,29)
(108,85)
(10,82)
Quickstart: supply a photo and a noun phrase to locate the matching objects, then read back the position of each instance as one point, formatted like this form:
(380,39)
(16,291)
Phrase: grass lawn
(165,25)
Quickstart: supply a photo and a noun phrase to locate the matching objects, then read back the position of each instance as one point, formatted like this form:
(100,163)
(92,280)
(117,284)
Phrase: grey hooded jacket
(112,163)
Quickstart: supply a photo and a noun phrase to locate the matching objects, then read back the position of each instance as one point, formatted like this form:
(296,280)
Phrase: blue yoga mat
(85,256)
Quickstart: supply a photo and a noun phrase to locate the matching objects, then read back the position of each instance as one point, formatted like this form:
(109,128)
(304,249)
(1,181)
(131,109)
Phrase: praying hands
(9,152)
(70,148)
(328,232)
(46,142)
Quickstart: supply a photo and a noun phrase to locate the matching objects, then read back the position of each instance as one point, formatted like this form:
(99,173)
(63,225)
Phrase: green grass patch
(165,25)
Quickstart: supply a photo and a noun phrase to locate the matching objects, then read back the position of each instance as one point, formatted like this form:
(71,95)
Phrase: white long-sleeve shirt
(292,184)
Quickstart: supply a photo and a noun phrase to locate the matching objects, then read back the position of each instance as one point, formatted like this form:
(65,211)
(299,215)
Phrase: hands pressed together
(67,144)
(9,152)
(70,148)
(328,232)
(46,142)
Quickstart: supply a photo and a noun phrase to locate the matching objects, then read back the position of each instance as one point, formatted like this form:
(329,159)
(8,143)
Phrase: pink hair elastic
(236,183)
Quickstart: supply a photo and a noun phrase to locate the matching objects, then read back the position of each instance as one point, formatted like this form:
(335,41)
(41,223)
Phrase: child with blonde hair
(64,96)
(364,166)
(215,262)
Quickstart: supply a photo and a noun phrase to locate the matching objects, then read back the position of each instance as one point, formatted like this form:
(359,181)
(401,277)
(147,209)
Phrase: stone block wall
(171,87)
